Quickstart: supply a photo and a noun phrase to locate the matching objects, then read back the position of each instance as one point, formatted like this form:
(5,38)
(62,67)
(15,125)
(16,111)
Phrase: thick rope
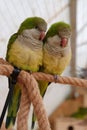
(22,120)
(61,79)
(36,99)
(7,70)
(30,87)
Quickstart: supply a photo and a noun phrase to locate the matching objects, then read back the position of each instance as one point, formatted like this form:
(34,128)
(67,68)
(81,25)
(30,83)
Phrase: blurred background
(74,12)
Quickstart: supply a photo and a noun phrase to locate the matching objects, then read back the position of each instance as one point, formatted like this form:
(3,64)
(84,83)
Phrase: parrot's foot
(14,76)
(55,78)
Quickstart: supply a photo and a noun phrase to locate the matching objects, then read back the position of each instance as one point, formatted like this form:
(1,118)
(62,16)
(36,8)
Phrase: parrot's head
(58,34)
(35,26)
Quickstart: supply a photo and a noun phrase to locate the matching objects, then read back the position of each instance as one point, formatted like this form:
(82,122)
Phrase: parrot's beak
(42,35)
(64,42)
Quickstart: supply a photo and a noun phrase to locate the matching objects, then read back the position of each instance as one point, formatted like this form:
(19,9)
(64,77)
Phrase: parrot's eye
(36,27)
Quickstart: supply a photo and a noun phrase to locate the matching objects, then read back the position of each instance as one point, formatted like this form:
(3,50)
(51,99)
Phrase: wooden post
(73,6)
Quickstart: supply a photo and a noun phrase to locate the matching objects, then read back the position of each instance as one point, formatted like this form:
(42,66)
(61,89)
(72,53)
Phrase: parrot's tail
(10,121)
(11,117)
(13,107)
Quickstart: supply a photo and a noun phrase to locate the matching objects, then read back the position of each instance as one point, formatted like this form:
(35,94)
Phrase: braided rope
(36,99)
(24,110)
(37,103)
(30,93)
(61,79)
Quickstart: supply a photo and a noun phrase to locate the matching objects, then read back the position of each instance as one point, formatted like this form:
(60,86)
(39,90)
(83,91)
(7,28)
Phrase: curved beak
(42,35)
(64,42)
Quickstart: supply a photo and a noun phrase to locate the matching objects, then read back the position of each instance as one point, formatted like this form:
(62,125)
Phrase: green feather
(13,107)
(32,23)
(55,28)
(10,42)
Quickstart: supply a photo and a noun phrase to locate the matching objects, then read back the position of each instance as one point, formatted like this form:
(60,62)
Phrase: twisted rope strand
(38,105)
(7,70)
(22,120)
(61,79)
(36,99)
(30,93)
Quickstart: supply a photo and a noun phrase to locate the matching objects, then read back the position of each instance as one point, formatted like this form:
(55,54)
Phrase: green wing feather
(11,41)
(13,107)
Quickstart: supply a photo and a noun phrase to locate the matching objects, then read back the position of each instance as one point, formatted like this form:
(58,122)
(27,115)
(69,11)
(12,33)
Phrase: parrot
(24,51)
(56,53)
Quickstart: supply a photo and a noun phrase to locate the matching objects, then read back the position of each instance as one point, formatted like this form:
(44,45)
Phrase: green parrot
(56,52)
(24,51)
